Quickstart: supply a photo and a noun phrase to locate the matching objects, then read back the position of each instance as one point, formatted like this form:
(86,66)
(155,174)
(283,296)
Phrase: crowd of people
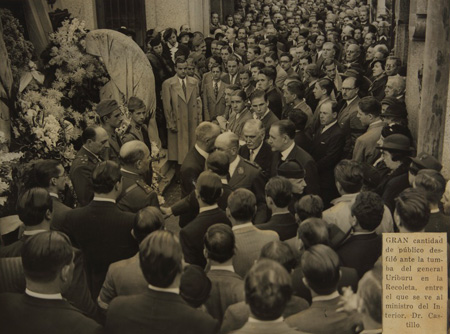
(289,127)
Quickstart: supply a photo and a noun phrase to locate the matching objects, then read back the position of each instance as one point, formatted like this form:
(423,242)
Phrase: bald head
(228,142)
(134,155)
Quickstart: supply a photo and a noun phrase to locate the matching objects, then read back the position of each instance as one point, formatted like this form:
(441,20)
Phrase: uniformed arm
(167,104)
(82,184)
(185,204)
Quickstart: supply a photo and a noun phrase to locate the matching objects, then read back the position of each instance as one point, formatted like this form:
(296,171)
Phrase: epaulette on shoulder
(252,163)
(144,186)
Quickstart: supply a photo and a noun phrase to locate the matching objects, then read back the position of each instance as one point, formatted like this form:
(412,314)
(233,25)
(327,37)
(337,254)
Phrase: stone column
(435,80)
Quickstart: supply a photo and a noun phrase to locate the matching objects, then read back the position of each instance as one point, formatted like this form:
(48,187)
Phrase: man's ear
(66,272)
(48,215)
(305,281)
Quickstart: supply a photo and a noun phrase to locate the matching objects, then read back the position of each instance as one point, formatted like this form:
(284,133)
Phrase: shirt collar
(237,227)
(350,101)
(251,319)
(226,268)
(55,195)
(280,213)
(127,171)
(44,295)
(102,199)
(203,153)
(326,297)
(181,81)
(326,127)
(373,124)
(95,155)
(435,210)
(256,150)
(345,198)
(208,208)
(33,232)
(287,151)
(233,166)
(169,290)
(224,181)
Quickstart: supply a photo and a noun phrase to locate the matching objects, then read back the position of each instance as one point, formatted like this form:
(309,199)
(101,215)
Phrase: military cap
(106,107)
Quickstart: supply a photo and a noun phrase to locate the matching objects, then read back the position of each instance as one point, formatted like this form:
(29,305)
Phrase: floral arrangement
(78,75)
(20,51)
(42,129)
(8,162)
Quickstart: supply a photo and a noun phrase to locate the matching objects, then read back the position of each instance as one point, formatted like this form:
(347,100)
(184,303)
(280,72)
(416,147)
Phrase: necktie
(216,89)
(252,155)
(184,88)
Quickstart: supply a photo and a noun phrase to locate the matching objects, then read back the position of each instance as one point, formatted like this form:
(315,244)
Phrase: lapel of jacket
(221,90)
(190,86)
(179,89)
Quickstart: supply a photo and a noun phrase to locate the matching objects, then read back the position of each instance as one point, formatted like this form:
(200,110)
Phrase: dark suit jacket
(12,278)
(322,318)
(308,163)
(275,98)
(192,166)
(310,99)
(263,158)
(376,89)
(268,120)
(58,213)
(226,78)
(438,222)
(20,313)
(227,289)
(397,182)
(157,312)
(360,251)
(284,224)
(191,236)
(187,207)
(103,232)
(327,150)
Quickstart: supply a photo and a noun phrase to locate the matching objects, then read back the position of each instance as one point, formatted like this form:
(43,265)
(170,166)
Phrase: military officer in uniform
(136,194)
(95,143)
(111,118)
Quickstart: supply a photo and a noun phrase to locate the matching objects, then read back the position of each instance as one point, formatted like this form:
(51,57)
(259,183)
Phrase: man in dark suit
(194,163)
(95,143)
(136,193)
(328,145)
(266,82)
(208,190)
(160,310)
(47,260)
(232,77)
(243,173)
(50,174)
(256,148)
(35,211)
(278,198)
(320,265)
(125,277)
(363,248)
(214,94)
(187,208)
(101,230)
(227,286)
(281,140)
(261,110)
(268,289)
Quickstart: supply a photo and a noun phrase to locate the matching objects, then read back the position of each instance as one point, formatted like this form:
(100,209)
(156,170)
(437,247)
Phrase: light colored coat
(183,113)
(214,106)
(366,145)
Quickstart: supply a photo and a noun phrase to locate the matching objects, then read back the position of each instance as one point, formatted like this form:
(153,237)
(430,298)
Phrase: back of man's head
(285,127)
(105,176)
(161,257)
(209,187)
(309,206)
(219,163)
(44,255)
(219,243)
(368,210)
(280,252)
(242,205)
(146,221)
(349,175)
(34,206)
(44,171)
(133,151)
(371,294)
(412,210)
(320,265)
(313,231)
(279,189)
(432,182)
(268,288)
